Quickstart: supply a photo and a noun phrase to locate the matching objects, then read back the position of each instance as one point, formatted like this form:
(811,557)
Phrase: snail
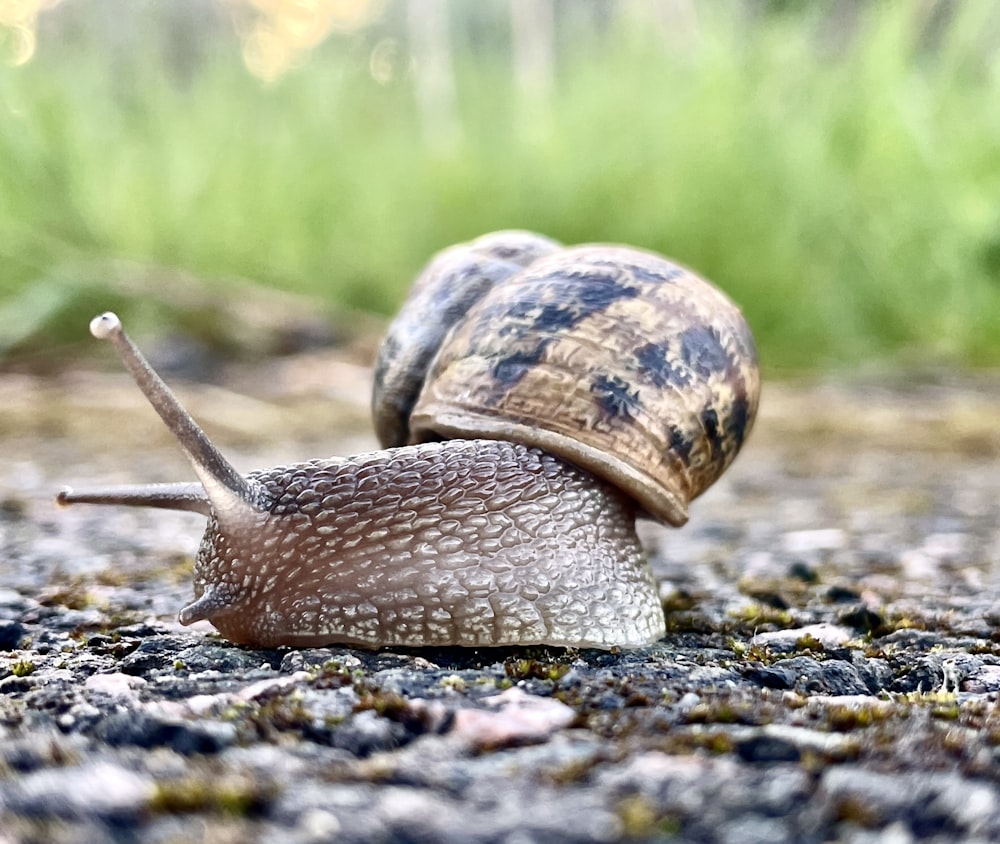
(532,401)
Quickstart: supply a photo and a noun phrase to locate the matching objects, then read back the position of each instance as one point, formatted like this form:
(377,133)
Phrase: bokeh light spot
(18,26)
(278,34)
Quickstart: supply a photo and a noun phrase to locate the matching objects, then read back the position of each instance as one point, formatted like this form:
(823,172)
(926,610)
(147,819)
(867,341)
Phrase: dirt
(831,668)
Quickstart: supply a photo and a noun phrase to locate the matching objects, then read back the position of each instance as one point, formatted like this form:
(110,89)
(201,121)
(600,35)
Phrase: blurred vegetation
(834,166)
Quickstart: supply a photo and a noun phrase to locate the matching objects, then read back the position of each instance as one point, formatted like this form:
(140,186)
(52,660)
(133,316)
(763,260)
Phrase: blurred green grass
(840,181)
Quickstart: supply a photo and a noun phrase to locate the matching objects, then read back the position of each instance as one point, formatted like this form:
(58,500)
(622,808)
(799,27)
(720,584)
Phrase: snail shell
(452,282)
(614,358)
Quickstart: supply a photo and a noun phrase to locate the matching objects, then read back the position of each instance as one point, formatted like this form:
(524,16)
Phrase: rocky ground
(831,670)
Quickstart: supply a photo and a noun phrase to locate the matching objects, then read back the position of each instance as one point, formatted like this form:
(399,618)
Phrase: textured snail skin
(458,543)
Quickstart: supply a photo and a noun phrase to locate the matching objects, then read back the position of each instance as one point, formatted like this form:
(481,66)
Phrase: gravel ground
(831,669)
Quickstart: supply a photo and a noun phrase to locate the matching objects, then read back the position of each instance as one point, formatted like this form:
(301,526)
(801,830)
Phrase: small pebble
(804,541)
(513,718)
(828,635)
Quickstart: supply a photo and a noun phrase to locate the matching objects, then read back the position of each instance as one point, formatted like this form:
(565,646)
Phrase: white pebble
(823,539)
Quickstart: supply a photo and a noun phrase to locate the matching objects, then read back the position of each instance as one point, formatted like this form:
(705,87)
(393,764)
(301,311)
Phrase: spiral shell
(611,357)
(454,280)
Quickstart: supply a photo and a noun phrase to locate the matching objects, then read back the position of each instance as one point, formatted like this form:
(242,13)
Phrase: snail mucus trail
(533,400)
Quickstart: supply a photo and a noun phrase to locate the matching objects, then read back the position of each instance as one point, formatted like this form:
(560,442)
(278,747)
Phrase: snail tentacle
(189,497)
(226,489)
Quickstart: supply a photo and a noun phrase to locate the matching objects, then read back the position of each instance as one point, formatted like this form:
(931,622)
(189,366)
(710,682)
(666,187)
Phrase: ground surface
(831,670)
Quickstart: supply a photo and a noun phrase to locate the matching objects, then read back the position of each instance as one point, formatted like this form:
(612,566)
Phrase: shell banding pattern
(614,358)
(451,283)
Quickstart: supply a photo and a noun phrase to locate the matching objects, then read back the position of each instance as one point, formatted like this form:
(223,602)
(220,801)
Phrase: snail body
(532,400)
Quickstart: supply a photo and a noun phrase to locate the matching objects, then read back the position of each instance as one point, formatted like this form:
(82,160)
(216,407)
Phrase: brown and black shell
(453,280)
(614,358)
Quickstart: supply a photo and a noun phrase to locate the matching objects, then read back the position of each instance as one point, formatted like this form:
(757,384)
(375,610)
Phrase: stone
(99,789)
(366,733)
(146,730)
(828,635)
(809,676)
(11,634)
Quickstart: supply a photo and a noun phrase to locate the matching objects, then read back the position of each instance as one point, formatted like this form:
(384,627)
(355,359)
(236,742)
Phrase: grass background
(834,166)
